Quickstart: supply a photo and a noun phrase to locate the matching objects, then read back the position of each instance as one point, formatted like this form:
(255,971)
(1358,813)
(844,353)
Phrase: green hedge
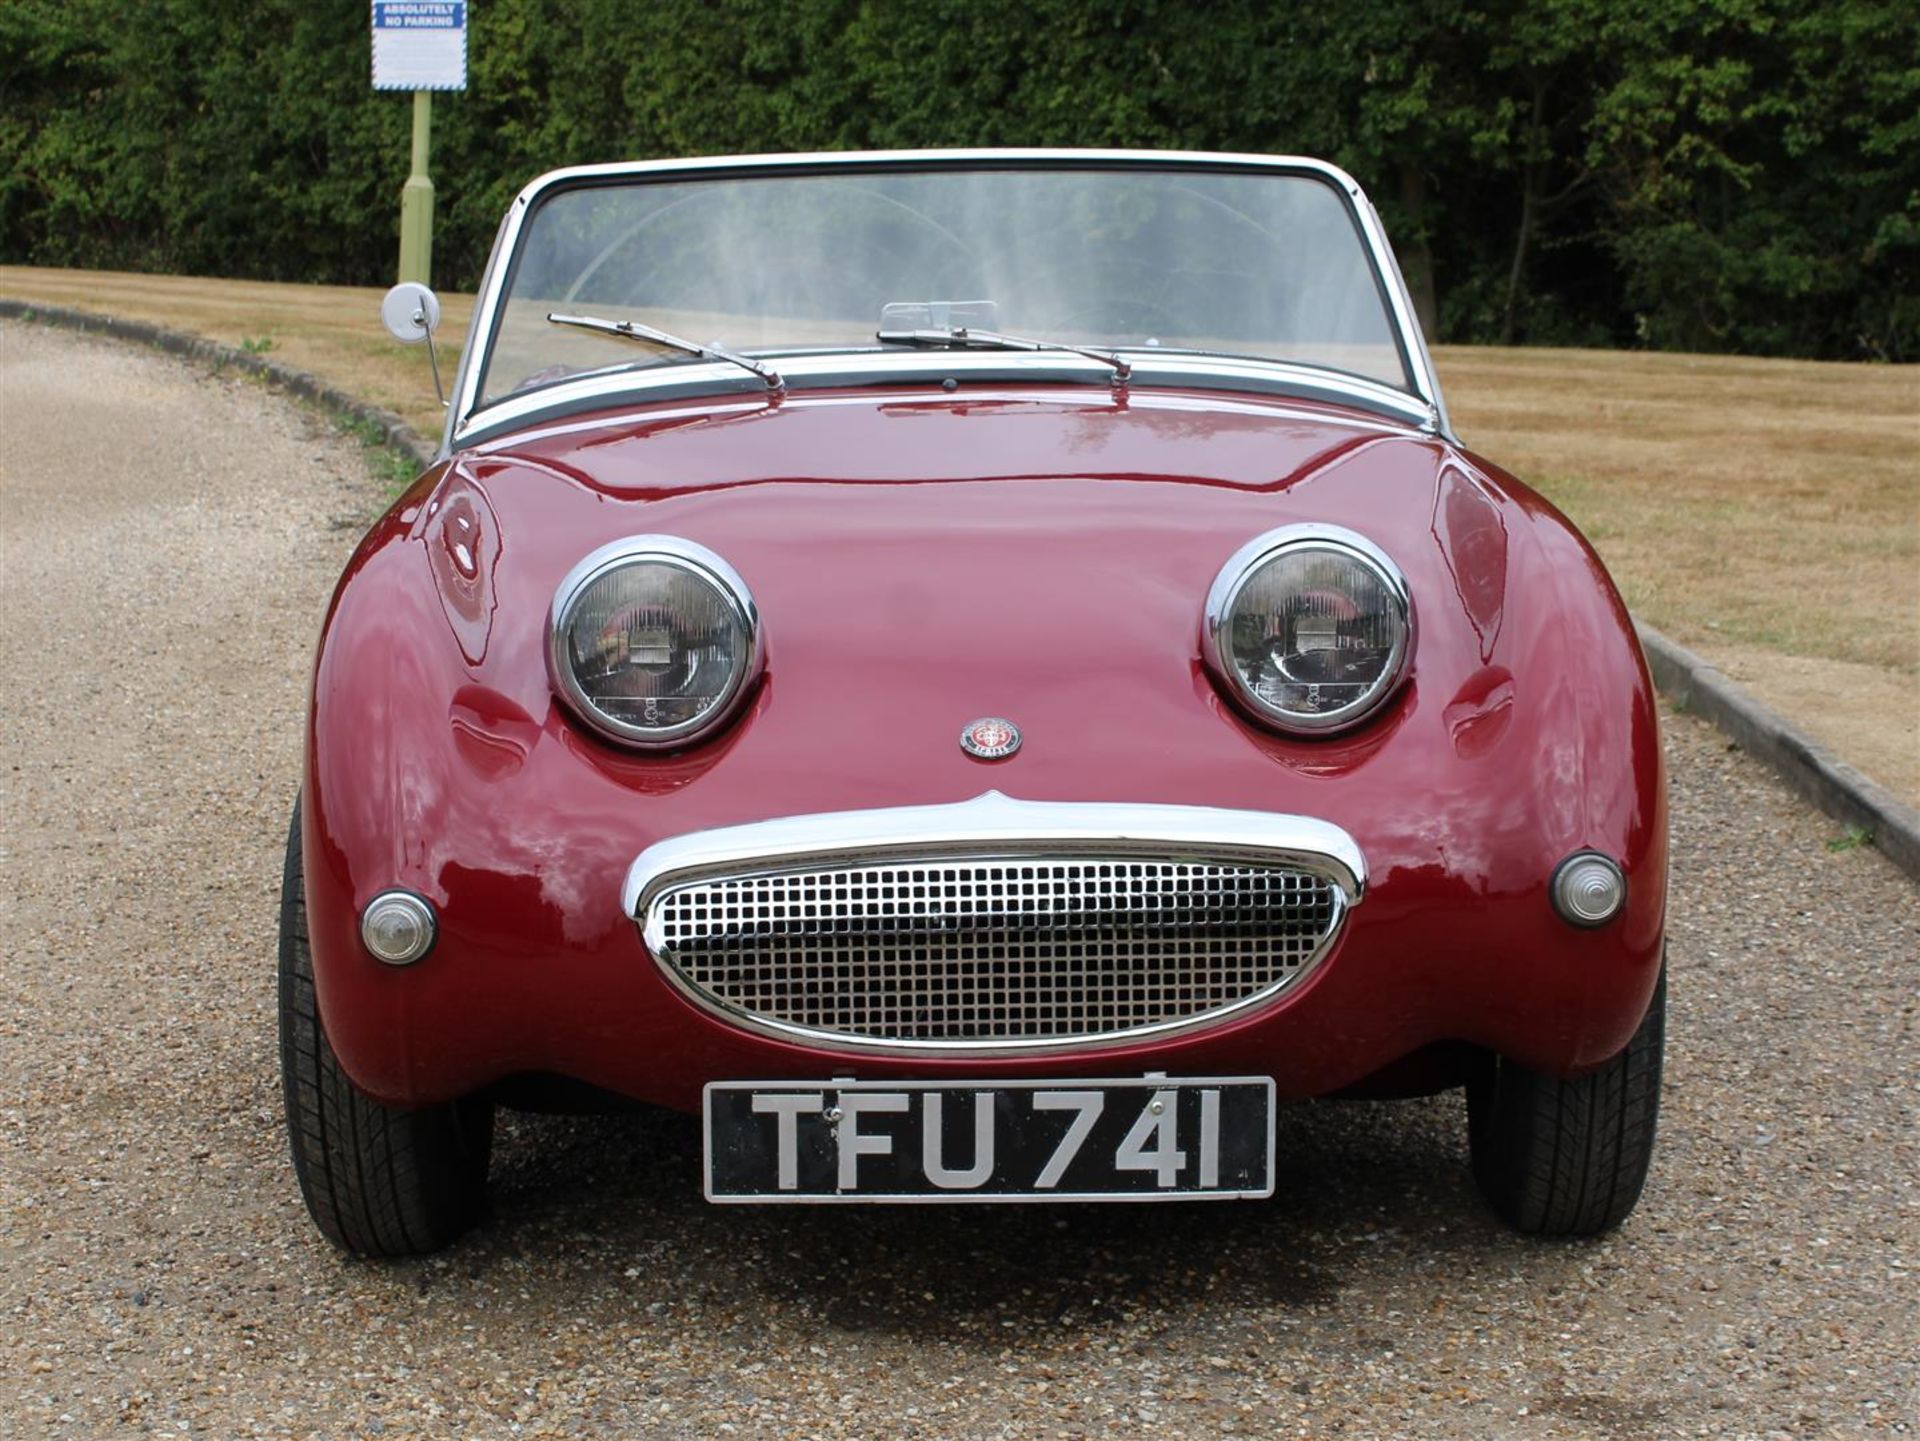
(1706,174)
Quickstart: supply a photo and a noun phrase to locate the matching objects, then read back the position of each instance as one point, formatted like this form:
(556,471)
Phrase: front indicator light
(1588,889)
(397,927)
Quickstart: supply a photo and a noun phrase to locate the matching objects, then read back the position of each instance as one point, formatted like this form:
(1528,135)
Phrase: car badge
(990,739)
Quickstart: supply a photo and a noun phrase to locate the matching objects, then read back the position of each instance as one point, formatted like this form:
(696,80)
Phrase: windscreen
(1268,264)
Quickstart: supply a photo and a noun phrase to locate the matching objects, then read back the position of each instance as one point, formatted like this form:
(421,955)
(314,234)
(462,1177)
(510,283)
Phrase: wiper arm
(634,330)
(962,337)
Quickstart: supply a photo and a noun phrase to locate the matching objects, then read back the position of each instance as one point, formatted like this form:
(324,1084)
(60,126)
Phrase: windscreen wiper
(634,330)
(961,337)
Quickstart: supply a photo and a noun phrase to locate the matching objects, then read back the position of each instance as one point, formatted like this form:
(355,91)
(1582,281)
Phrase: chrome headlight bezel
(697,561)
(1247,562)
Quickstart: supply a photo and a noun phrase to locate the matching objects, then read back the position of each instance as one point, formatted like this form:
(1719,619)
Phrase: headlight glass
(1310,627)
(654,640)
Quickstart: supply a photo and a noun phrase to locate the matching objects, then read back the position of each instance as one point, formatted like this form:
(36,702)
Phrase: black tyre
(1569,1158)
(378,1180)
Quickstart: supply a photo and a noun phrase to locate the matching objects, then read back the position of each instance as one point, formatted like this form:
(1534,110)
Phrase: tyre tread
(1570,1157)
(377,1180)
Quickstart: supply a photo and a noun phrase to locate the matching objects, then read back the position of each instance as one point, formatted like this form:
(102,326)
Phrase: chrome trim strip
(1239,569)
(992,826)
(716,408)
(466,398)
(680,380)
(989,823)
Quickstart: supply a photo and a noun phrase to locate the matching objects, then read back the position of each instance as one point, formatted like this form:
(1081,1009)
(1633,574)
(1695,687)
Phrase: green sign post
(416,199)
(419,45)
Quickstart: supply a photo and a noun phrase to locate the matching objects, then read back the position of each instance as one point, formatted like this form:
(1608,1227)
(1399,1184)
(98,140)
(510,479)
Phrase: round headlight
(1311,628)
(654,640)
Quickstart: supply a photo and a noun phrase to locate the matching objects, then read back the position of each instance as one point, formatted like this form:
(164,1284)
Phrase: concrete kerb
(1686,679)
(1839,790)
(395,433)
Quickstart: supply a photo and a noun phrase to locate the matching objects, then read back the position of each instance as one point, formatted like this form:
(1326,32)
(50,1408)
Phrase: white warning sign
(419,44)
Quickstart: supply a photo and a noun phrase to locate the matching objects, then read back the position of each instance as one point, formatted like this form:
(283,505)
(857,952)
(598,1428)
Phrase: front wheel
(378,1180)
(1569,1158)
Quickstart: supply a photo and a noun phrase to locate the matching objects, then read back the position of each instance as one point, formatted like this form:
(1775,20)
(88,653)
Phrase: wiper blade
(961,337)
(634,330)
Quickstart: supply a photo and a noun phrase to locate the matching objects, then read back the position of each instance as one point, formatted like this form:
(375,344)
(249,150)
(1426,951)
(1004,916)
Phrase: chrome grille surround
(994,925)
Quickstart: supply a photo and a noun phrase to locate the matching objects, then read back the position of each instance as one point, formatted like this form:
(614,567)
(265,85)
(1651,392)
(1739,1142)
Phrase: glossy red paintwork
(922,559)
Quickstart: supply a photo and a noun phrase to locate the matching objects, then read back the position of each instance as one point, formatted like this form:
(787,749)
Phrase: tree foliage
(1707,174)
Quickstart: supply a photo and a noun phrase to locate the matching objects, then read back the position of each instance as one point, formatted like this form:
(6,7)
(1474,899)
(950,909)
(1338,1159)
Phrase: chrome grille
(989,952)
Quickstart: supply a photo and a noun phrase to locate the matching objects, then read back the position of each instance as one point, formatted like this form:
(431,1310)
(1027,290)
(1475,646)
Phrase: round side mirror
(410,311)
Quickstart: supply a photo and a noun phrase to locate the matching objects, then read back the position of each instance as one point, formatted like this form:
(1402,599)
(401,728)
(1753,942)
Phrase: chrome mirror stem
(433,354)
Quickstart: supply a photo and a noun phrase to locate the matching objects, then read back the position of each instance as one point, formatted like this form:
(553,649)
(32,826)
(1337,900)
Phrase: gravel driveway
(167,542)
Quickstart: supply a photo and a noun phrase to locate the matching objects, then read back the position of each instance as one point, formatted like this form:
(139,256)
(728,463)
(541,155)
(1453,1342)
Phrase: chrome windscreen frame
(992,826)
(469,422)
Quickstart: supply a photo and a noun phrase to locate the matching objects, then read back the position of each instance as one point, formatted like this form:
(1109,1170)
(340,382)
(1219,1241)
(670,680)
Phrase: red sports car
(981,674)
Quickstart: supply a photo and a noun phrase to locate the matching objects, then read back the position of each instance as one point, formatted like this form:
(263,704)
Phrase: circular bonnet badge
(990,739)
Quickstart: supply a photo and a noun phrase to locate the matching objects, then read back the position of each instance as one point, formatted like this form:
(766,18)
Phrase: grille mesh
(1026,950)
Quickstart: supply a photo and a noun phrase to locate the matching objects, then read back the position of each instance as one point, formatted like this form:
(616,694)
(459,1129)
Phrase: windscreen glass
(1269,265)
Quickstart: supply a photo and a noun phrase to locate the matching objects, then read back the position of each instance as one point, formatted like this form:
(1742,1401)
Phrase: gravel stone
(167,543)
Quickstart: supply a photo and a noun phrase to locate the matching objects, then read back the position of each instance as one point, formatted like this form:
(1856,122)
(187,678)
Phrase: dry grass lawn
(332,331)
(1764,512)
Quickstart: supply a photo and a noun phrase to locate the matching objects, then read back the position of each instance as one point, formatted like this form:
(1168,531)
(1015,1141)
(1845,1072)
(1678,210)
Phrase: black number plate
(1150,1139)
